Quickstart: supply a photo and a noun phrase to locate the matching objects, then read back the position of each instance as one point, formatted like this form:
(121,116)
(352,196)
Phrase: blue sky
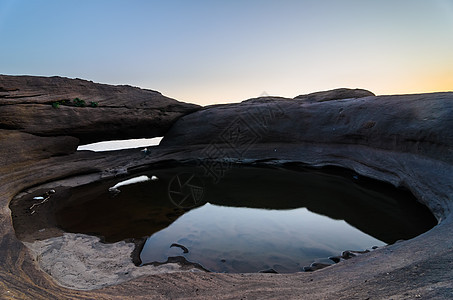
(225,51)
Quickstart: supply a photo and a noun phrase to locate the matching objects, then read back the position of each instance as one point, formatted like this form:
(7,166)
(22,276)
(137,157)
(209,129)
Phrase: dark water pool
(252,219)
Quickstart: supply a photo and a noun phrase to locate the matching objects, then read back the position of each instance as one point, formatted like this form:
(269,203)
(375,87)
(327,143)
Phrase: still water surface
(237,239)
(253,219)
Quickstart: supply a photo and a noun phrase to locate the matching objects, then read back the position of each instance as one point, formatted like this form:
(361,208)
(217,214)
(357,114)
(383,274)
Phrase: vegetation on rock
(79,102)
(76,102)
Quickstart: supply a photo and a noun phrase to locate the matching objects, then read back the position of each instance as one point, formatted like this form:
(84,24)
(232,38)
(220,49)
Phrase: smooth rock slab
(17,147)
(419,124)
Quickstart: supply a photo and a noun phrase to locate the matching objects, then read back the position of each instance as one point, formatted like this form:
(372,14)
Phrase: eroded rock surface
(27,104)
(17,147)
(419,124)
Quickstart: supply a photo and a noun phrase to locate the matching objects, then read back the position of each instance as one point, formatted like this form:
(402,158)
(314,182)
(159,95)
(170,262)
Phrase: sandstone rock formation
(404,140)
(336,94)
(418,124)
(16,146)
(29,104)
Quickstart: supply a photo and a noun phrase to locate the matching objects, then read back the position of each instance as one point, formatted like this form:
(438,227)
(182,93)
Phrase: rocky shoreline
(405,140)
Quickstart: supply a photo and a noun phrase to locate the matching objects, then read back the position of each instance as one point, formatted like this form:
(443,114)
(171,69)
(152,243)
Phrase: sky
(208,52)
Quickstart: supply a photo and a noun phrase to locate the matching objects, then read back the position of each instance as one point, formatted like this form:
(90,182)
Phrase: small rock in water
(315,266)
(114,191)
(154,178)
(350,253)
(146,151)
(335,259)
(347,254)
(184,249)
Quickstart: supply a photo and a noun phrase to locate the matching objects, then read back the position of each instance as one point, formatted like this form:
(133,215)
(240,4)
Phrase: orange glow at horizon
(228,51)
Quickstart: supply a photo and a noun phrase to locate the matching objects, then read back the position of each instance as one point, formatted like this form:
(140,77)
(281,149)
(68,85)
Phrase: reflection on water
(120,144)
(253,219)
(236,239)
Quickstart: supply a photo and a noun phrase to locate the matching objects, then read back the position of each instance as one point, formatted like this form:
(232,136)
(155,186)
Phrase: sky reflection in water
(232,239)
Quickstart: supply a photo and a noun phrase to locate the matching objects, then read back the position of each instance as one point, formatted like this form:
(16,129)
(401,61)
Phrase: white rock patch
(82,262)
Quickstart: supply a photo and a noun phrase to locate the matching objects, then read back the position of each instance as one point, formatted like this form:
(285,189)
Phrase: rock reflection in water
(237,239)
(253,219)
